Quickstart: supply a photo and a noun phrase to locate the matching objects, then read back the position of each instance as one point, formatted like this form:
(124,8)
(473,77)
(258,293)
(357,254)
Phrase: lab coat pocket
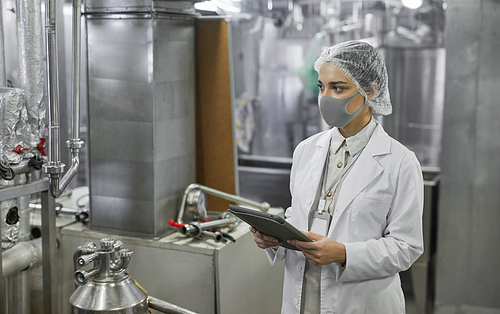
(368,215)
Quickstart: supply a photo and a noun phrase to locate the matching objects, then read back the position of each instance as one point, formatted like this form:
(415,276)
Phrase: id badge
(319,223)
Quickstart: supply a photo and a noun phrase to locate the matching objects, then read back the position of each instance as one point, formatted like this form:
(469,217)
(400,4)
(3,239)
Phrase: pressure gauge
(196,203)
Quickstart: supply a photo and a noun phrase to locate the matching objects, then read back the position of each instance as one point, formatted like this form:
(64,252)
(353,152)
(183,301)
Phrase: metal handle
(230,197)
(82,276)
(196,228)
(84,260)
(166,307)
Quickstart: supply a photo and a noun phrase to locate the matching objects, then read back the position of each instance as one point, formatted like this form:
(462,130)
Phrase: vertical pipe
(75,144)
(2,84)
(77,16)
(18,293)
(3,301)
(21,289)
(52,82)
(3,79)
(55,167)
(49,251)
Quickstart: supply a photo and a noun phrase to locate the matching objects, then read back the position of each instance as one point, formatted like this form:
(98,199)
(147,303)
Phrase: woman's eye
(337,88)
(320,87)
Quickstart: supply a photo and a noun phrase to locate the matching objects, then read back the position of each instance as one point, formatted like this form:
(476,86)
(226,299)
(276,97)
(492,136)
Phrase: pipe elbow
(54,187)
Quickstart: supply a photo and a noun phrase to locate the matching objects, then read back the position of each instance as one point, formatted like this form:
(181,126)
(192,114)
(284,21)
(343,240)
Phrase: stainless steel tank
(416,83)
(107,287)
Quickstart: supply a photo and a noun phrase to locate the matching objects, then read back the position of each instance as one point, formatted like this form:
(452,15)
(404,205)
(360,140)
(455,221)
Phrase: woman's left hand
(322,251)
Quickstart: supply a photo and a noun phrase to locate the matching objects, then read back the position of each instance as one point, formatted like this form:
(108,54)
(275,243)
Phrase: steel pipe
(166,307)
(19,296)
(52,89)
(54,168)
(196,229)
(230,197)
(22,256)
(3,76)
(216,236)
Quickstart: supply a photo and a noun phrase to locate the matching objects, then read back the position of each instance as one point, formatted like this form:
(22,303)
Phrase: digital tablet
(270,224)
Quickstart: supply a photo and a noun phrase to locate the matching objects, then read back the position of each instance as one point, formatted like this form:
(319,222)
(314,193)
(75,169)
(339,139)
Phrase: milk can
(107,287)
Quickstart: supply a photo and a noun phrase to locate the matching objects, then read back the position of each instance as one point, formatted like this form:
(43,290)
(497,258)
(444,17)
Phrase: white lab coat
(378,217)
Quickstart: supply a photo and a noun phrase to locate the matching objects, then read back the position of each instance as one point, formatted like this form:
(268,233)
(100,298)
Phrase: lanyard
(320,193)
(319,220)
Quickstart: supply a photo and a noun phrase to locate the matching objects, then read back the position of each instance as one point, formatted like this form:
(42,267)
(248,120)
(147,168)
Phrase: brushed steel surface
(3,78)
(416,85)
(468,233)
(199,275)
(141,118)
(173,6)
(118,297)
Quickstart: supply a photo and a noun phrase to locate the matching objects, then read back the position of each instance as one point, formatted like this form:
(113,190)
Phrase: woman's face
(333,83)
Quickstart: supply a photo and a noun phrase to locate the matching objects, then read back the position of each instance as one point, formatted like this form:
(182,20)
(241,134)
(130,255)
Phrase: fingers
(264,241)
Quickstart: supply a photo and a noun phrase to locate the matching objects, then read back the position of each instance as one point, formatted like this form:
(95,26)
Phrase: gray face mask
(334,110)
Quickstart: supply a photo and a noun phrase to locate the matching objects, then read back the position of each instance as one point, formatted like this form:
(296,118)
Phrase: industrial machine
(139,120)
(108,287)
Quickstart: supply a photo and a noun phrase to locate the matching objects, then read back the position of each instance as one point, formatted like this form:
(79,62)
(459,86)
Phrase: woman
(356,192)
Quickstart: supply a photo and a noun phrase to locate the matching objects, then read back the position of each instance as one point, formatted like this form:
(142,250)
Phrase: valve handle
(82,276)
(19,149)
(125,253)
(107,244)
(86,259)
(41,146)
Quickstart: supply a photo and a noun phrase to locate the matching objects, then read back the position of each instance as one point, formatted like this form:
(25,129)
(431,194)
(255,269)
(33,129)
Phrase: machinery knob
(125,253)
(118,245)
(107,244)
(82,276)
(86,259)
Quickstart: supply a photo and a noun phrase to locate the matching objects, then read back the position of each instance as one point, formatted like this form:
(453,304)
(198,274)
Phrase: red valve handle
(41,146)
(175,224)
(19,149)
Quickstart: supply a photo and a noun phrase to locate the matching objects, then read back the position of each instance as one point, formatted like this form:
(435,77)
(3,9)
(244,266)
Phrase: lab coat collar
(380,143)
(318,159)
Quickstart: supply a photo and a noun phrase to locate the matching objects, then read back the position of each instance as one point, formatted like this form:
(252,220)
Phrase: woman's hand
(264,241)
(322,251)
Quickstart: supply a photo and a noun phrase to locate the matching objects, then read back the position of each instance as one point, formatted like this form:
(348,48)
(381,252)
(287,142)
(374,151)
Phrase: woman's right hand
(263,240)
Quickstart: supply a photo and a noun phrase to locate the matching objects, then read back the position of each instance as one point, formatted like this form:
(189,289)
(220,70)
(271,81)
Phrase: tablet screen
(270,224)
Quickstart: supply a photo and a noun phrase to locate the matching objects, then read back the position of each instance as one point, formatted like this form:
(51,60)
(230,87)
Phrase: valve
(82,276)
(125,253)
(41,146)
(117,245)
(107,244)
(87,259)
(36,162)
(19,149)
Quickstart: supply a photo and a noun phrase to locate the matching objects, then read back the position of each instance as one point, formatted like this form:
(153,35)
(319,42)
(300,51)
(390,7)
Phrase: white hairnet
(364,66)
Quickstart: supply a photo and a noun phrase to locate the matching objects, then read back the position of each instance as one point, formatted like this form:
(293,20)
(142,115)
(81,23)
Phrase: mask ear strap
(350,98)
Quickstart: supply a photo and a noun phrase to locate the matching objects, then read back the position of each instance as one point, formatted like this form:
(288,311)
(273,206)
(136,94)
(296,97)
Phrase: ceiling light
(412,4)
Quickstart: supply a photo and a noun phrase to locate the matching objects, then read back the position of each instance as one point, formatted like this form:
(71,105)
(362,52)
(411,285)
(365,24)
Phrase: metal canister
(107,287)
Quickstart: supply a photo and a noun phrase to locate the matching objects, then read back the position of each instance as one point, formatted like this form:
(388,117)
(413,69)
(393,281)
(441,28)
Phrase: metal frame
(48,241)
